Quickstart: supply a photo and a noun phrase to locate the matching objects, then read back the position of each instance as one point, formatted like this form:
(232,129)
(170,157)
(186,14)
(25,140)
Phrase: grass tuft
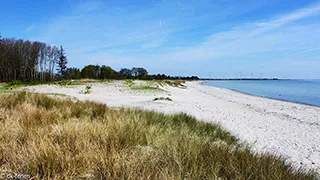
(145,88)
(87,90)
(162,99)
(50,138)
(173,83)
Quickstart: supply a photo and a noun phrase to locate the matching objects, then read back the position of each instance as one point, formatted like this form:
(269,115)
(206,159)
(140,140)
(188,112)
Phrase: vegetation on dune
(145,88)
(3,88)
(129,82)
(162,99)
(87,89)
(49,138)
(153,85)
(18,84)
(58,94)
(173,83)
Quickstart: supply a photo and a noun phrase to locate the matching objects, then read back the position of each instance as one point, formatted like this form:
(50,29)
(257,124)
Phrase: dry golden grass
(51,138)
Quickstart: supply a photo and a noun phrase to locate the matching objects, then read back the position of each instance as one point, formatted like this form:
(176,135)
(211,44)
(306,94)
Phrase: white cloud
(276,35)
(127,37)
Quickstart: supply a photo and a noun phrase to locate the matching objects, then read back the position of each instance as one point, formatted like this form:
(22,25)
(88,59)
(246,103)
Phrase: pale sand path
(287,129)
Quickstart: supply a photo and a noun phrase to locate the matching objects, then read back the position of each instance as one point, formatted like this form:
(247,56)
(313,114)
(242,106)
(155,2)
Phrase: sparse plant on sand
(87,90)
(50,138)
(162,99)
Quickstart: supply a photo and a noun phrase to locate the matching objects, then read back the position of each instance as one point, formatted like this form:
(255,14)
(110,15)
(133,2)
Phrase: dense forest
(29,61)
(24,60)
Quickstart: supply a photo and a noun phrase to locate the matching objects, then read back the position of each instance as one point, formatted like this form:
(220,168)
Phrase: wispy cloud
(30,28)
(305,51)
(186,35)
(275,35)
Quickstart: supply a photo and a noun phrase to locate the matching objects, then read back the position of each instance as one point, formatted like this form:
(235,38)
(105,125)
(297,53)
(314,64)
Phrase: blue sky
(279,38)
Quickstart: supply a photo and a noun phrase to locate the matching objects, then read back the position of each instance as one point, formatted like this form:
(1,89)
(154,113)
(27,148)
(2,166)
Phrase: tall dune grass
(49,138)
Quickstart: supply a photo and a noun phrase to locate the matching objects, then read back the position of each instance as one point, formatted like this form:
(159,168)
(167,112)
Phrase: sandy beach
(283,128)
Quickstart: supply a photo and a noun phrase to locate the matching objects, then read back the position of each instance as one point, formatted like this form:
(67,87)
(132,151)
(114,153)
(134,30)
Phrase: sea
(297,91)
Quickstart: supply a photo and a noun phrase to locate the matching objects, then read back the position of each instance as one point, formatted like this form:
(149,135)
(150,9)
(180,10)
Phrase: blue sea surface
(298,91)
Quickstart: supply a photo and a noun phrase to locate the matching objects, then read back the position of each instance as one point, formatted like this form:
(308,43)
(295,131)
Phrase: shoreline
(266,97)
(269,126)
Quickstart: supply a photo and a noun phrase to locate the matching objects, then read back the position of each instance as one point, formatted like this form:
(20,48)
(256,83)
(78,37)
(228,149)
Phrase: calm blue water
(299,91)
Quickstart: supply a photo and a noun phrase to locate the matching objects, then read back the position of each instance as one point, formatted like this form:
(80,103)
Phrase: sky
(207,38)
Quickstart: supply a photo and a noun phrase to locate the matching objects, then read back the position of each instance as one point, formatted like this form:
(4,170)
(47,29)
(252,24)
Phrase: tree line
(30,61)
(106,72)
(24,60)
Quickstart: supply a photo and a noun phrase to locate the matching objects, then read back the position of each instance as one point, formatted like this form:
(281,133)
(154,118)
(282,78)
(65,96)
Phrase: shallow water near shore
(298,91)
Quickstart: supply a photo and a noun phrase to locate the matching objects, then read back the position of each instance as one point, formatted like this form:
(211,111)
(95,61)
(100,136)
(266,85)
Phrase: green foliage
(107,72)
(87,90)
(17,84)
(62,62)
(97,72)
(146,88)
(91,72)
(125,73)
(72,73)
(3,89)
(139,72)
(129,82)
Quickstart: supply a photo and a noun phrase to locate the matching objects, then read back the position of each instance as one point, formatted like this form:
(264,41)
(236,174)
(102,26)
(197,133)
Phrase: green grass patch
(145,88)
(129,82)
(17,84)
(3,89)
(50,138)
(173,83)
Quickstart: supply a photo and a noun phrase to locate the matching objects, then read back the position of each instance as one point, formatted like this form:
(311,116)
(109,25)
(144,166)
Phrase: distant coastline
(239,79)
(288,92)
(245,93)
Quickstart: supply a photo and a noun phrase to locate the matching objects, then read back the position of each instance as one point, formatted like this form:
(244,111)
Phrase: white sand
(287,129)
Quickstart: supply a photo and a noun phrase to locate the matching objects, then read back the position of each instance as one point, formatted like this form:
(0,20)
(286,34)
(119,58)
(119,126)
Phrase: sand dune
(287,129)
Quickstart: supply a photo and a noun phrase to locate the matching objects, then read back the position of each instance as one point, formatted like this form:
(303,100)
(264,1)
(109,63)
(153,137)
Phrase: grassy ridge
(62,139)
(18,84)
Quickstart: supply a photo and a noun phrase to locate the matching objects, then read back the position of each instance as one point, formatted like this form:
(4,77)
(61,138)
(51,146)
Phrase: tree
(53,56)
(125,73)
(139,72)
(34,56)
(62,62)
(25,60)
(107,72)
(91,71)
(72,73)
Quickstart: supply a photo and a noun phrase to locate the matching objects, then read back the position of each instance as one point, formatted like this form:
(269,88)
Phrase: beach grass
(129,82)
(17,84)
(146,88)
(162,99)
(173,83)
(52,138)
